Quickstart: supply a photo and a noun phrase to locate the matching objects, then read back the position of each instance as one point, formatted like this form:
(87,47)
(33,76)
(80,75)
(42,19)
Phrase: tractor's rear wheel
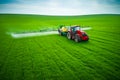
(69,35)
(77,38)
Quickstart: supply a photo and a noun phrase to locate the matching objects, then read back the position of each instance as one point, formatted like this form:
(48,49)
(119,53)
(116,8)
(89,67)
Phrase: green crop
(54,57)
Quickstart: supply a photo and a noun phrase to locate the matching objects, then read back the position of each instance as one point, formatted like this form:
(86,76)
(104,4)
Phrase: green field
(54,57)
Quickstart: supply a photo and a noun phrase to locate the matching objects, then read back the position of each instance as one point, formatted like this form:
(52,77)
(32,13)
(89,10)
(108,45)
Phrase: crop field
(54,57)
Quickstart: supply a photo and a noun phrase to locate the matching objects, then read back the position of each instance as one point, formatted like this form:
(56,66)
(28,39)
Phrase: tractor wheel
(77,38)
(69,35)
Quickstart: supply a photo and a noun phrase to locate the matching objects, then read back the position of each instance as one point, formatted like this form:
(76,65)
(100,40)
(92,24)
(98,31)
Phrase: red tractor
(75,33)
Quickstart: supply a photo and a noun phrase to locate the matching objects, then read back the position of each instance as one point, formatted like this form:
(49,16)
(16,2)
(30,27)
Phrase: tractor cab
(75,28)
(75,33)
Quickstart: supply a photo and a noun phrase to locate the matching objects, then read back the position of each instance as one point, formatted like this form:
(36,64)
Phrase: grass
(56,58)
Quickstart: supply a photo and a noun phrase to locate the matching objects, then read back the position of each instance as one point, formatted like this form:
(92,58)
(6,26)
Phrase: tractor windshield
(77,28)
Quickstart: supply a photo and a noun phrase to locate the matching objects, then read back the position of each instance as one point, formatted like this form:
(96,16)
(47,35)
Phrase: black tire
(69,35)
(77,38)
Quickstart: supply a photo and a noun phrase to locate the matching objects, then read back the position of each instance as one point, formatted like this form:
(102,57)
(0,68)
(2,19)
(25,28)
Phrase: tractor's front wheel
(69,35)
(77,38)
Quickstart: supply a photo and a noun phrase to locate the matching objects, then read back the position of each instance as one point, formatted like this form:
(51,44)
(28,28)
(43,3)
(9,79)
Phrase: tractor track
(102,41)
(42,74)
(103,58)
(102,48)
(6,57)
(92,52)
(32,59)
(63,62)
(106,40)
(74,69)
(103,44)
(106,35)
(75,60)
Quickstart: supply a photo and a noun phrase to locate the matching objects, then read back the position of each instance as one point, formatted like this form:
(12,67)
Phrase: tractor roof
(74,26)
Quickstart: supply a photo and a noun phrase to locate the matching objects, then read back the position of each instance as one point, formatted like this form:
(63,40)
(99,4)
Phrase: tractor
(73,32)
